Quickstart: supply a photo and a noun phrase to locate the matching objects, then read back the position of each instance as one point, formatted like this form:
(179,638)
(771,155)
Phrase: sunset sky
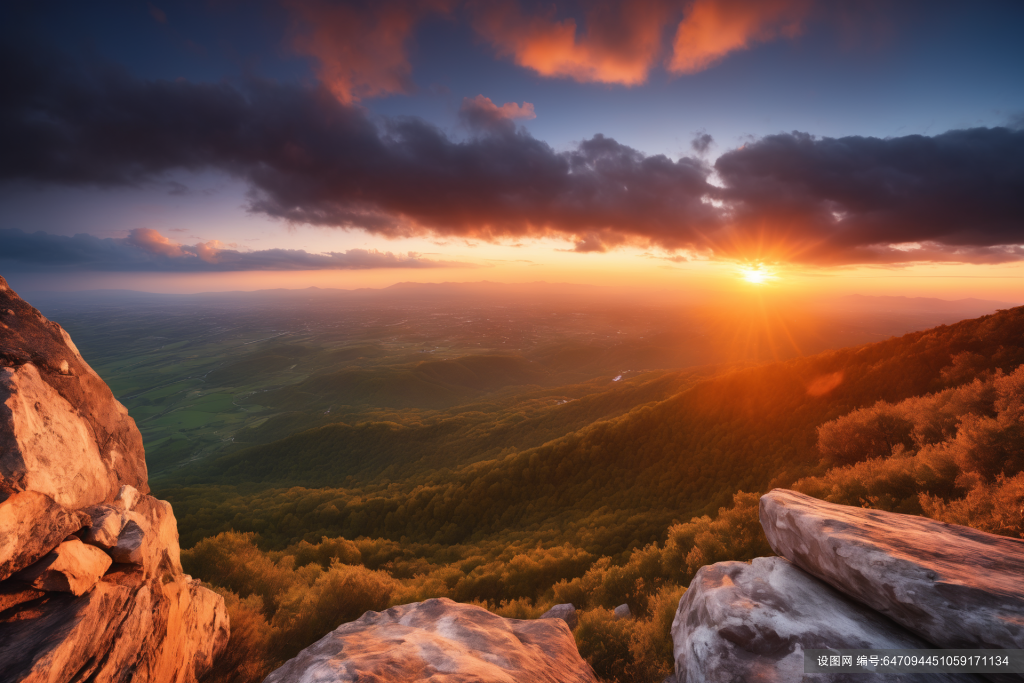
(840,147)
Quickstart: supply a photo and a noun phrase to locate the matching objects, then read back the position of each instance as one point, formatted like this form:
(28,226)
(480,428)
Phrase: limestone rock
(192,630)
(150,539)
(126,498)
(128,548)
(53,405)
(67,446)
(955,587)
(566,612)
(440,640)
(622,612)
(107,522)
(31,525)
(72,567)
(740,622)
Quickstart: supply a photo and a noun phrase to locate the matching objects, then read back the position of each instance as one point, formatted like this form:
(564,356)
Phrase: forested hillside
(929,423)
(629,476)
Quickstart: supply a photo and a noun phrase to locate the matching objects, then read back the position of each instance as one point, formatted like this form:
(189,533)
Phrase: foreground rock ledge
(956,587)
(740,622)
(440,641)
(117,608)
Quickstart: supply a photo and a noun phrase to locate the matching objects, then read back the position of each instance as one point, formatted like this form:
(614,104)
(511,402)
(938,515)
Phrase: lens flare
(756,275)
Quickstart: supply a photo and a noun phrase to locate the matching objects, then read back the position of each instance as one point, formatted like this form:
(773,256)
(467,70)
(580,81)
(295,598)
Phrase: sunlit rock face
(91,586)
(753,622)
(62,432)
(954,586)
(440,640)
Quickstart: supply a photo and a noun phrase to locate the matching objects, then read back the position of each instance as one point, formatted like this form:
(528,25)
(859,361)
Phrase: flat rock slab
(753,622)
(955,587)
(440,641)
(31,525)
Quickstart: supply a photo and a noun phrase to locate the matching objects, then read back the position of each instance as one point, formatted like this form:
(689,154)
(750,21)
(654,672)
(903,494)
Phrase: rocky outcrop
(954,586)
(753,622)
(851,579)
(440,640)
(91,586)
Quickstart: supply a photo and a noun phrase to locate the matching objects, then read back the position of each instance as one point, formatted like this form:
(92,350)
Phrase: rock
(150,539)
(14,593)
(192,629)
(128,548)
(107,523)
(52,404)
(52,639)
(440,640)
(126,498)
(752,622)
(622,612)
(73,567)
(955,587)
(167,633)
(66,446)
(31,525)
(566,612)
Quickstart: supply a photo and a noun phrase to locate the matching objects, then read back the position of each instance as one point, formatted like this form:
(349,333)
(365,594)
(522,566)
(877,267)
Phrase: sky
(841,147)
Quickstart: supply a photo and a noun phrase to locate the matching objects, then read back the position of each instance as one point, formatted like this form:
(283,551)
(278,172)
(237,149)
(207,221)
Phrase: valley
(518,455)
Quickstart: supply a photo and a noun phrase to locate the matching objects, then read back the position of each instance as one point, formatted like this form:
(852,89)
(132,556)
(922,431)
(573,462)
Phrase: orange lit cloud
(152,241)
(362,50)
(509,110)
(714,28)
(619,44)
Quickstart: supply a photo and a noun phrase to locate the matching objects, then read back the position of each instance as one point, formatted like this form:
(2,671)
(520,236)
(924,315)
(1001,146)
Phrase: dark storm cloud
(147,250)
(961,193)
(310,159)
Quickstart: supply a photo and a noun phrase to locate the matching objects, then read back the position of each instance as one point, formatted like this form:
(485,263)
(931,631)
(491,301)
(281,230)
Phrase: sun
(756,275)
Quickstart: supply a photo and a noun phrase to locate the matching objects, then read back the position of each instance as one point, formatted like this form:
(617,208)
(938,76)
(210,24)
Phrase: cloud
(146,250)
(361,48)
(712,29)
(618,42)
(859,199)
(701,143)
(481,113)
(309,158)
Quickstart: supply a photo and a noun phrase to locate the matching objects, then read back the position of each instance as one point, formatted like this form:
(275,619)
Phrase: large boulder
(31,525)
(566,612)
(955,587)
(72,567)
(753,622)
(440,640)
(62,432)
